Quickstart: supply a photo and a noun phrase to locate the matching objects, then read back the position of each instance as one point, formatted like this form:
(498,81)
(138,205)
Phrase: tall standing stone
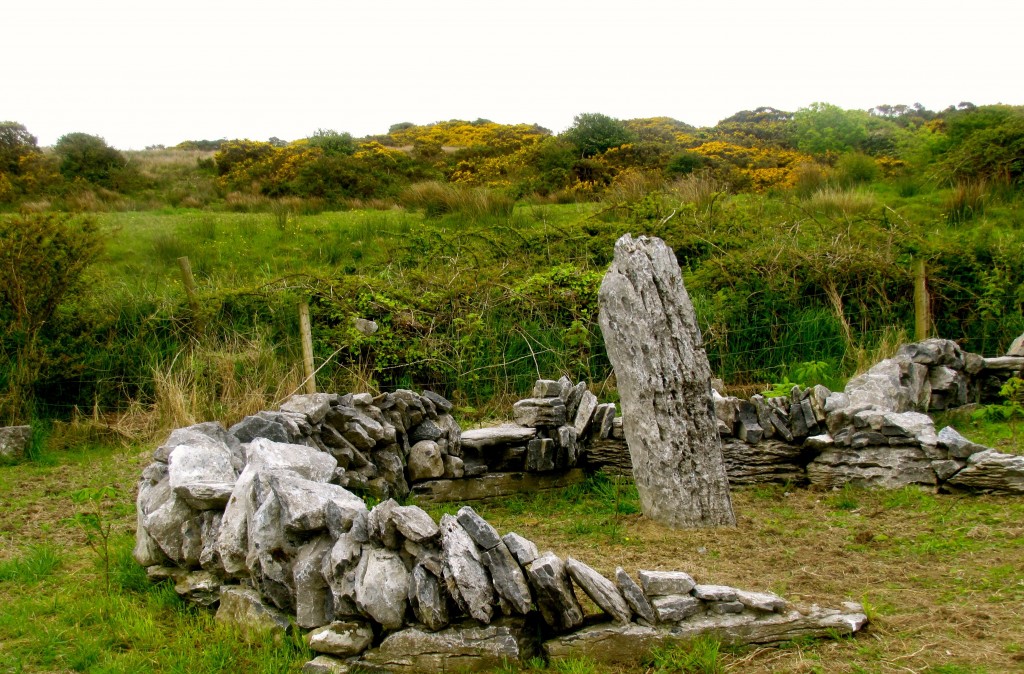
(664,383)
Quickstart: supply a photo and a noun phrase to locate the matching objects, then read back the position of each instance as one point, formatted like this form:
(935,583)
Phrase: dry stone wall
(264,532)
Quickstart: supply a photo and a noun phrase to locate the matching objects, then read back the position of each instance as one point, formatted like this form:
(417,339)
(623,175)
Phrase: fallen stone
(601,590)
(325,664)
(461,648)
(244,608)
(657,583)
(635,596)
(523,549)
(553,593)
(14,442)
(341,638)
(992,471)
(465,574)
(200,587)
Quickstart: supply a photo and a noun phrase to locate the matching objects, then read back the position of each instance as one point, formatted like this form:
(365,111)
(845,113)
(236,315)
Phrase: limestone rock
(540,455)
(314,406)
(441,404)
(310,506)
(507,577)
(676,607)
(714,593)
(553,593)
(479,529)
(341,638)
(425,461)
(664,381)
(494,485)
(465,574)
(601,590)
(243,608)
(767,461)
(415,524)
(992,471)
(428,599)
(884,467)
(252,427)
(765,602)
(957,445)
(635,596)
(1016,347)
(539,412)
(628,644)
(14,442)
(202,474)
(585,410)
(200,587)
(325,664)
(382,587)
(482,438)
(657,583)
(524,550)
(463,648)
(306,462)
(547,388)
(312,595)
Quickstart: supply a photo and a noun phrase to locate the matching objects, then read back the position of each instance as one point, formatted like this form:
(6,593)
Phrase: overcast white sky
(144,72)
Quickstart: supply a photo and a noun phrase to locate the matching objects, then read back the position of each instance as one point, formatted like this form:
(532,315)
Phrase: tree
(15,142)
(332,142)
(822,128)
(593,133)
(42,257)
(89,158)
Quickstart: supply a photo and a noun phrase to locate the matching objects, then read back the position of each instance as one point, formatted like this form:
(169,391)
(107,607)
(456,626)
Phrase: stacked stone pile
(876,431)
(551,432)
(382,444)
(263,531)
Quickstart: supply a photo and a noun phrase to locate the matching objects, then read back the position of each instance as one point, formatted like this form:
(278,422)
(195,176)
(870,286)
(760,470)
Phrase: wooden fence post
(190,290)
(307,347)
(922,310)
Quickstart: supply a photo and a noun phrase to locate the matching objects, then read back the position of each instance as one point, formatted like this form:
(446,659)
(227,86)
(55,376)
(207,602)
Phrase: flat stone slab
(468,647)
(494,436)
(992,471)
(493,485)
(628,644)
(882,467)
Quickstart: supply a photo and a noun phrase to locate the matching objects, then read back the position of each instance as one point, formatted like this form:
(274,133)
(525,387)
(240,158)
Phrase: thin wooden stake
(190,289)
(922,310)
(307,348)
